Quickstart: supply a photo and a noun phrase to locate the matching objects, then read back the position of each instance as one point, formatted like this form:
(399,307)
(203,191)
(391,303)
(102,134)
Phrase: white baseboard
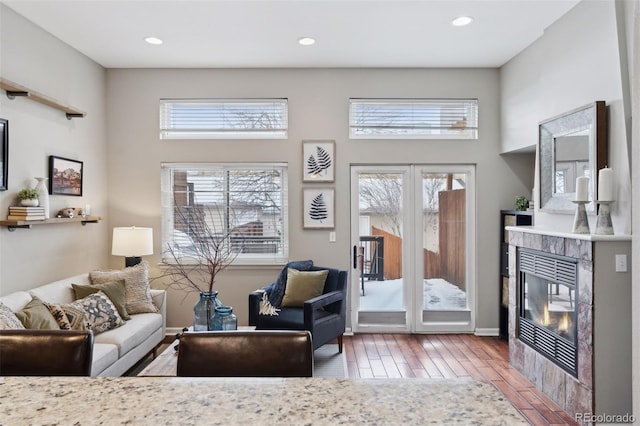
(487,332)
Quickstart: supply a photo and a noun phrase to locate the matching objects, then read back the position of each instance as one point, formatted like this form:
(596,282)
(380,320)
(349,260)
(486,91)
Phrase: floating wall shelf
(26,224)
(14,89)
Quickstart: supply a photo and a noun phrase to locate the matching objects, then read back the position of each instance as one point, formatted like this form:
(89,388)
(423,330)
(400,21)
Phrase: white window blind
(413,118)
(223,118)
(244,203)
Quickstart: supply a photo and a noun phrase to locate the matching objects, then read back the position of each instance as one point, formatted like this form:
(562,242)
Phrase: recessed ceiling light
(153,40)
(461,21)
(306,41)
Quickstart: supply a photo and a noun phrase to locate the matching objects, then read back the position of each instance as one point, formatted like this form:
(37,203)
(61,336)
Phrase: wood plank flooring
(451,356)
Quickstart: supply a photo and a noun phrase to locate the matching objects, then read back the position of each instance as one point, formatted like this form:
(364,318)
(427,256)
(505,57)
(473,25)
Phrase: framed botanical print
(65,176)
(318,161)
(318,208)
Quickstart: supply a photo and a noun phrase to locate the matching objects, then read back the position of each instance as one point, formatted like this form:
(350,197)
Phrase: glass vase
(205,310)
(225,319)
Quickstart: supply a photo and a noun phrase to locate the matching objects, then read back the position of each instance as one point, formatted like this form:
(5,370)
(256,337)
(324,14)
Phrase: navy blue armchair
(324,316)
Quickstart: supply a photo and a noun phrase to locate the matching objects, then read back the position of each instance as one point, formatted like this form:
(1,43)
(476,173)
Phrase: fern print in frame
(318,208)
(318,161)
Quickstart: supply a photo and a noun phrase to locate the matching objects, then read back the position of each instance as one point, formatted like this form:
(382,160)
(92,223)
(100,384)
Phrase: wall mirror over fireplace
(571,145)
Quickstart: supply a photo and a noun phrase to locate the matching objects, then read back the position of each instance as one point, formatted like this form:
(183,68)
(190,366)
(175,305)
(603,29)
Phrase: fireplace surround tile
(554,382)
(585,282)
(532,241)
(579,398)
(553,245)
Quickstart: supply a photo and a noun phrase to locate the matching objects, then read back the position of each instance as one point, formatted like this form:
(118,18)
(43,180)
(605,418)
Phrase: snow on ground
(439,294)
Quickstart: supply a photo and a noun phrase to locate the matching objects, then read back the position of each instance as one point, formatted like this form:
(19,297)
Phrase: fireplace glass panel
(550,305)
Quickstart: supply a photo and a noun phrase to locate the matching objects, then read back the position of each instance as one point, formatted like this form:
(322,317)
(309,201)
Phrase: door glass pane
(380,245)
(443,241)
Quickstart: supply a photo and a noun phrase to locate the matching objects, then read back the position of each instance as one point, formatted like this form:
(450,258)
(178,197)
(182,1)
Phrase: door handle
(355,257)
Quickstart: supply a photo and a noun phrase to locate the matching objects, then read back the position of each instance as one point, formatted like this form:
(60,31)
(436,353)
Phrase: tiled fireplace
(570,318)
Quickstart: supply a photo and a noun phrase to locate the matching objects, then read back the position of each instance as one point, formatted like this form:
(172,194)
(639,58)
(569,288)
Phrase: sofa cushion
(104,355)
(8,319)
(115,290)
(36,315)
(60,291)
(132,333)
(302,286)
(137,289)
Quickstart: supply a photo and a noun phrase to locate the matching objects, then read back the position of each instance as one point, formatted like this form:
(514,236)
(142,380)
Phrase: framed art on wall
(318,161)
(65,176)
(318,208)
(4,153)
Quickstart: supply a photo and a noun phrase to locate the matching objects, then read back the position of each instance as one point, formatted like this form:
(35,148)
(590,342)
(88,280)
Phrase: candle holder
(604,226)
(581,222)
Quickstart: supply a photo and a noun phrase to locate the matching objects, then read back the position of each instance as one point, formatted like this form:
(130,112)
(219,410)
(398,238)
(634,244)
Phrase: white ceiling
(264,33)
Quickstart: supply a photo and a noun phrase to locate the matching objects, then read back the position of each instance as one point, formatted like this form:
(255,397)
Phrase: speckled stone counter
(209,401)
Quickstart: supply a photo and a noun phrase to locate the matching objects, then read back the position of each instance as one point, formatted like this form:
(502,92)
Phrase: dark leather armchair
(245,354)
(324,316)
(45,352)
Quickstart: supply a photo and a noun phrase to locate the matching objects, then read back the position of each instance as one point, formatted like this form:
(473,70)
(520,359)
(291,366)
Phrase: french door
(413,234)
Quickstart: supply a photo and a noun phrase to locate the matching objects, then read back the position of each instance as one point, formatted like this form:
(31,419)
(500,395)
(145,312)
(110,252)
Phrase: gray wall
(574,63)
(33,58)
(318,109)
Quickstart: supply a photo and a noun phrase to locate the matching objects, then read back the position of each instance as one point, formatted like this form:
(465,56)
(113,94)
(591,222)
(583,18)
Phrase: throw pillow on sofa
(136,283)
(70,317)
(99,312)
(36,316)
(115,290)
(8,319)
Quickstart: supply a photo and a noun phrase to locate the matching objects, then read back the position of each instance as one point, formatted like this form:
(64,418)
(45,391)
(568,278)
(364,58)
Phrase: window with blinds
(413,118)
(223,118)
(242,207)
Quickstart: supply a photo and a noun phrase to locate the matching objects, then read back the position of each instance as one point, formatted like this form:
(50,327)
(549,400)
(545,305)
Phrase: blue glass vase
(205,310)
(225,319)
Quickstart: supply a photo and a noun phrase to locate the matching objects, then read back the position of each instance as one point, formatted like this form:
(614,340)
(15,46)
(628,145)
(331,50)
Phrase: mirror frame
(591,116)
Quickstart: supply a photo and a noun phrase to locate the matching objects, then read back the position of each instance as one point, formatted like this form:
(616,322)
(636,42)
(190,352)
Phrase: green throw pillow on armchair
(302,286)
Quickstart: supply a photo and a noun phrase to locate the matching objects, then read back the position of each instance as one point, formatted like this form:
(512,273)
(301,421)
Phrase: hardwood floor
(451,356)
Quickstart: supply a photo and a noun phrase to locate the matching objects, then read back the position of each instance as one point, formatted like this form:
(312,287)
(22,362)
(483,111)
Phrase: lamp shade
(132,241)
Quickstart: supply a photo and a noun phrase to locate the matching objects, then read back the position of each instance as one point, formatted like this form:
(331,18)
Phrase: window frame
(464,128)
(222,107)
(168,230)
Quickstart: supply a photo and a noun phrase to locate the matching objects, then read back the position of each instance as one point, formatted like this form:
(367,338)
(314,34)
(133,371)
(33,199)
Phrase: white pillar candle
(582,188)
(605,184)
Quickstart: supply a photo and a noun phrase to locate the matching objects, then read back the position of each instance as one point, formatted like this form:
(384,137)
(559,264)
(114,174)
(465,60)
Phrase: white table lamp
(132,242)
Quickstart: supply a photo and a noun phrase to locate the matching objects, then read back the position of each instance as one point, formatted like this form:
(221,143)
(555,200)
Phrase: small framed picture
(318,208)
(318,161)
(65,176)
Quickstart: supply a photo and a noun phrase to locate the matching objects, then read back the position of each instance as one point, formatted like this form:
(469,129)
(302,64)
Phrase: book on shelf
(26,209)
(25,217)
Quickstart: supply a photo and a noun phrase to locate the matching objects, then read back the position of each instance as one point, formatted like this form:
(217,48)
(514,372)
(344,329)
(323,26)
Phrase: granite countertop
(209,401)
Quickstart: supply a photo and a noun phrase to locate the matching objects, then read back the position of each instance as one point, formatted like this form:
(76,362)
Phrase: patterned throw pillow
(9,320)
(70,317)
(136,282)
(114,290)
(102,314)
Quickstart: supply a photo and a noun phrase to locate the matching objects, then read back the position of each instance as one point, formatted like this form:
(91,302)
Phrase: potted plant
(521,203)
(28,197)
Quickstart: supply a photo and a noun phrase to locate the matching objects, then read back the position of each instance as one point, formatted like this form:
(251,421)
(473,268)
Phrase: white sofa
(115,351)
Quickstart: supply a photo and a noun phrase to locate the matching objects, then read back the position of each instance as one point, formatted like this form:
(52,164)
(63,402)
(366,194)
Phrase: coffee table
(166,364)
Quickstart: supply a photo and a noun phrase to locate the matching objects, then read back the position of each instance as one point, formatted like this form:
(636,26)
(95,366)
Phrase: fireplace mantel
(603,383)
(586,237)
